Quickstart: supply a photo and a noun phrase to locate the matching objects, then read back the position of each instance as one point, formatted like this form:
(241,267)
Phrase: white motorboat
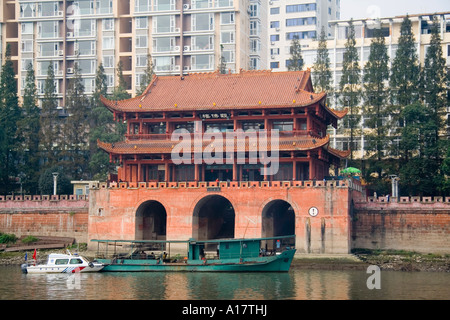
(63,263)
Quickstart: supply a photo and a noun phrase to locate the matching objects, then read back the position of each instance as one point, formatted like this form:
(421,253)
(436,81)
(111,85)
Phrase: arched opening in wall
(151,221)
(213,218)
(278,219)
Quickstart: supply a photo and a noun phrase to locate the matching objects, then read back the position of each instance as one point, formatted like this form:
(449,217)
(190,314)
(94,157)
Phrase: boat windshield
(76,261)
(61,261)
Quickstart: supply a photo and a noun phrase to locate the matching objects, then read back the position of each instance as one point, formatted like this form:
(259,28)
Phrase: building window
(202,42)
(165,5)
(228,56)
(164,44)
(108,43)
(141,42)
(48,29)
(142,5)
(255,45)
(27,45)
(227,18)
(25,63)
(87,66)
(85,48)
(27,28)
(108,24)
(164,24)
(141,23)
(275,10)
(224,3)
(301,7)
(283,125)
(47,9)
(227,37)
(104,6)
(201,4)
(202,22)
(85,28)
(274,24)
(163,63)
(202,62)
(27,10)
(274,37)
(254,10)
(141,60)
(108,62)
(300,21)
(274,51)
(48,49)
(301,35)
(274,65)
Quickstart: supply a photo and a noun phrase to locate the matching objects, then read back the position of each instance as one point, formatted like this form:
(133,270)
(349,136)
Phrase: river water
(295,285)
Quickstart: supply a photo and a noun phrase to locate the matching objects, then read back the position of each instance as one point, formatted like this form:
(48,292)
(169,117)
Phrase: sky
(389,8)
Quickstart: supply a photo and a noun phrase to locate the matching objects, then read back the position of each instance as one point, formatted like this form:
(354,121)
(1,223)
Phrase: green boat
(224,255)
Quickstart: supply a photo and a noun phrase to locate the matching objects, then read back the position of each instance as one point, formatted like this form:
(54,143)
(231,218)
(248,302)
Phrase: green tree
(77,128)
(103,128)
(416,171)
(9,117)
(29,127)
(322,71)
(148,75)
(296,60)
(120,91)
(435,97)
(63,183)
(405,69)
(49,134)
(404,82)
(376,74)
(350,86)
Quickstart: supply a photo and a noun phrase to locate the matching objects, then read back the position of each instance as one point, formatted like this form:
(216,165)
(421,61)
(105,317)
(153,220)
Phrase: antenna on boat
(249,220)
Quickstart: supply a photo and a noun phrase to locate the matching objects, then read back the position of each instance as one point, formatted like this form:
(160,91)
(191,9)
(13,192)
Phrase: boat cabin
(58,259)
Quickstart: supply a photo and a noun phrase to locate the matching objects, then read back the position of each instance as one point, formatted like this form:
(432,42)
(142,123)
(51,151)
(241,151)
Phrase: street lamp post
(394,180)
(55,182)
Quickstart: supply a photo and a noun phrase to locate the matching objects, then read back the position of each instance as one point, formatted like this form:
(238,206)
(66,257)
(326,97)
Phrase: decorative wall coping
(228,184)
(403,201)
(53,198)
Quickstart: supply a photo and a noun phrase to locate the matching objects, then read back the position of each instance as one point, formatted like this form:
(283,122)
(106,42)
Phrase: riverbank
(359,260)
(386,260)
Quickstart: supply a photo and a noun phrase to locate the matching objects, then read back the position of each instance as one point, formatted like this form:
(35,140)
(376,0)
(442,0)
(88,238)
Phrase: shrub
(29,239)
(8,238)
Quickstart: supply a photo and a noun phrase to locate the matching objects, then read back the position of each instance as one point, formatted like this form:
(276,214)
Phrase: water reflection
(296,285)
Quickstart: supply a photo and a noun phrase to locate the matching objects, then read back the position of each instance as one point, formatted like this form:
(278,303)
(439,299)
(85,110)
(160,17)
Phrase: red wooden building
(210,104)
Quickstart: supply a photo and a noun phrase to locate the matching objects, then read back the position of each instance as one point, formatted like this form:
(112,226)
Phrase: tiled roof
(214,91)
(166,146)
(339,153)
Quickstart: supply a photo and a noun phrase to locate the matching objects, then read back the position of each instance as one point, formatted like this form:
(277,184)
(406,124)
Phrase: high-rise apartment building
(180,35)
(364,33)
(302,19)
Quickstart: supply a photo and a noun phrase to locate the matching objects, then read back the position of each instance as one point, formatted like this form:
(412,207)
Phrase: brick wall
(64,216)
(113,208)
(413,224)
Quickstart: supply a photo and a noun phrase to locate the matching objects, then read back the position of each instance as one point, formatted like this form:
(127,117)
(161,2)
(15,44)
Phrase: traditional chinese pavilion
(248,101)
(238,117)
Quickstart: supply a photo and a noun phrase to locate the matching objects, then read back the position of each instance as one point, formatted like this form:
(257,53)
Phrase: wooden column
(139,172)
(166,172)
(294,170)
(197,173)
(235,169)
